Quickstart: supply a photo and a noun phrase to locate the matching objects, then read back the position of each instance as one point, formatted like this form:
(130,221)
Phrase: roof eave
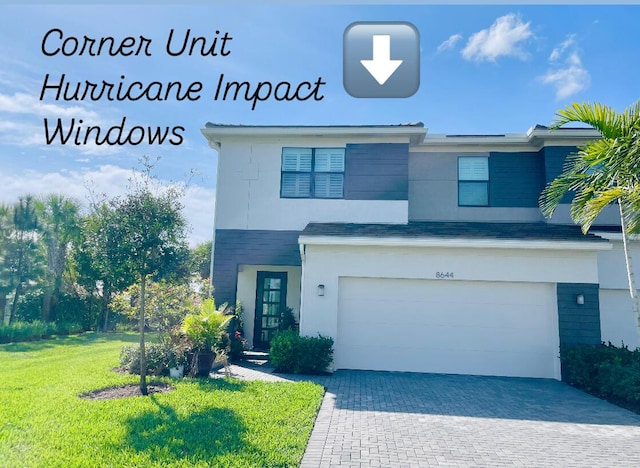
(457,242)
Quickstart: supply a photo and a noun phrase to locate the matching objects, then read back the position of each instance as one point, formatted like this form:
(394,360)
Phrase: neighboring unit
(415,252)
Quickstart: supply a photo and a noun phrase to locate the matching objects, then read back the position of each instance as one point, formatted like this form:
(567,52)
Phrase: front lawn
(202,422)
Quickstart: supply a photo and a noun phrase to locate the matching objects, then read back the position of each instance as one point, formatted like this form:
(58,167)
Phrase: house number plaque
(444,275)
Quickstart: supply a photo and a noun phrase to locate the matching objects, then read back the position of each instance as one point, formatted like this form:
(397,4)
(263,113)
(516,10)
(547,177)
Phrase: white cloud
(503,38)
(111,180)
(449,43)
(566,74)
(557,52)
(22,103)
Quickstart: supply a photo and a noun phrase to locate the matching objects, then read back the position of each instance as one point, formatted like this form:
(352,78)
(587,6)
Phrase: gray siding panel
(377,171)
(515,179)
(578,324)
(235,247)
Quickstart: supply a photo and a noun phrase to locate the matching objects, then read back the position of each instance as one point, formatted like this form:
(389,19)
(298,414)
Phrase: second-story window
(473,181)
(312,173)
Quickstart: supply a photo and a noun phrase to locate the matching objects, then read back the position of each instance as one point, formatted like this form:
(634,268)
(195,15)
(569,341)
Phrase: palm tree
(59,224)
(601,173)
(23,246)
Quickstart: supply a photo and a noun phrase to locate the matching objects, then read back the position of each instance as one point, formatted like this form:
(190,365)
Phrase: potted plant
(207,335)
(177,359)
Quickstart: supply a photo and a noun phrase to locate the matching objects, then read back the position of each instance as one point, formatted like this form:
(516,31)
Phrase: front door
(271,300)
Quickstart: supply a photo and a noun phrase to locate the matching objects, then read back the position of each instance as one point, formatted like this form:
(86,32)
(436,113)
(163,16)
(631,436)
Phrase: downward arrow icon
(381,67)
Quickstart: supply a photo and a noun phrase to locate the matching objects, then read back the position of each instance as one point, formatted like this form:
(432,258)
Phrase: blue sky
(484,69)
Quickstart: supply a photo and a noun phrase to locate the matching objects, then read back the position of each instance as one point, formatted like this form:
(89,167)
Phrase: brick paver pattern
(392,419)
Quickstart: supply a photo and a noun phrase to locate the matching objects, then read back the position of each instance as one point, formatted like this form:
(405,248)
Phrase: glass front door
(271,300)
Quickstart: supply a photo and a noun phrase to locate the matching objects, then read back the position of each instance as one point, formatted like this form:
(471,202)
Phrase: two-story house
(415,252)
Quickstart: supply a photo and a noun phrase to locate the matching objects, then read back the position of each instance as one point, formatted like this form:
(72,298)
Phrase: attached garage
(463,298)
(445,326)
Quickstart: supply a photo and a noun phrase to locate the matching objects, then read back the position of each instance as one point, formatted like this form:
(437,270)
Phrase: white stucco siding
(246,292)
(617,321)
(464,327)
(248,192)
(331,265)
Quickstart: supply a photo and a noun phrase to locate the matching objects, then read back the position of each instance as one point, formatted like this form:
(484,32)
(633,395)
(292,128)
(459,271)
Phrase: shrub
(24,331)
(604,371)
(30,306)
(166,304)
(158,358)
(301,354)
(288,320)
(68,328)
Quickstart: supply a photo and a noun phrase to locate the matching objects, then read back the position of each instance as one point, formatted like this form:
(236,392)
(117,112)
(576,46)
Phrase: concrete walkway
(388,419)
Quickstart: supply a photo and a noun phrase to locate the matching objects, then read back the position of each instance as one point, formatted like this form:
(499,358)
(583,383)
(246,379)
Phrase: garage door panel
(440,337)
(447,326)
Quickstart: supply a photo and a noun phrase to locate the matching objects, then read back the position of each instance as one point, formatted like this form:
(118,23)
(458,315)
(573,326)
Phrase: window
(312,173)
(473,181)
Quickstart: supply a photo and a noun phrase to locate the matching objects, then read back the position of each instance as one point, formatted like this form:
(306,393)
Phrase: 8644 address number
(444,274)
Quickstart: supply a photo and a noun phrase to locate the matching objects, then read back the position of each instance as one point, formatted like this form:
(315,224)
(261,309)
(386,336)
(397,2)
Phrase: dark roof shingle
(437,229)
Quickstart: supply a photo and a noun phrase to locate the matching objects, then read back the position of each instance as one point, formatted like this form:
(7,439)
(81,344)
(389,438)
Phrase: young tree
(603,172)
(59,224)
(150,231)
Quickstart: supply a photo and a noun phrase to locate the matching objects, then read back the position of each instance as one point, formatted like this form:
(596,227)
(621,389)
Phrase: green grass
(222,422)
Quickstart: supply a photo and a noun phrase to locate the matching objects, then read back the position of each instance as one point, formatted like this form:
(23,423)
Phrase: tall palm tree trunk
(630,276)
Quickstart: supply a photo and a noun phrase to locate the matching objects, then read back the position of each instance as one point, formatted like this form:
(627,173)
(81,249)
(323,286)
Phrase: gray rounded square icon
(381,59)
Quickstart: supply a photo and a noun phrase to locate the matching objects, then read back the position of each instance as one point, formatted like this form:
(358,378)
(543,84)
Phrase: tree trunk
(106,292)
(143,355)
(55,299)
(14,306)
(3,306)
(630,276)
(46,307)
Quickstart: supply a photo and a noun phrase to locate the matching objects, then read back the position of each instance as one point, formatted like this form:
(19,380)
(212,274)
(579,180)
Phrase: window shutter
(296,159)
(473,168)
(329,160)
(328,185)
(296,185)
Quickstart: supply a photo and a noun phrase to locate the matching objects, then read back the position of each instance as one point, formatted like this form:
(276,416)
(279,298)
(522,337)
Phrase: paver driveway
(401,419)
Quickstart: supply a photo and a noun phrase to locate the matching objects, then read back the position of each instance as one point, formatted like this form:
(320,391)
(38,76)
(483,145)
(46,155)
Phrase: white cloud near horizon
(111,180)
(449,43)
(566,73)
(504,38)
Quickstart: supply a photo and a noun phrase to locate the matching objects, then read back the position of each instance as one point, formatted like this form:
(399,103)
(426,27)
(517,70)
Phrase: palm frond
(601,117)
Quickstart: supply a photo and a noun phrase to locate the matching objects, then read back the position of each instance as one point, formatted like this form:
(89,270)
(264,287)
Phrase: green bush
(70,309)
(36,330)
(68,328)
(605,371)
(24,331)
(301,354)
(158,358)
(29,307)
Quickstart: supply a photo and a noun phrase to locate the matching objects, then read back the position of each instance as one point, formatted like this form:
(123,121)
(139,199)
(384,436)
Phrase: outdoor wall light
(321,290)
(580,299)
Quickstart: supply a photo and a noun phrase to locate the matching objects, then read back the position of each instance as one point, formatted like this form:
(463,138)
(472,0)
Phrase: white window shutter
(296,159)
(473,168)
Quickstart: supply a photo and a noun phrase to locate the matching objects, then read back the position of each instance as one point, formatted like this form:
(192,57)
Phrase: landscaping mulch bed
(130,390)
